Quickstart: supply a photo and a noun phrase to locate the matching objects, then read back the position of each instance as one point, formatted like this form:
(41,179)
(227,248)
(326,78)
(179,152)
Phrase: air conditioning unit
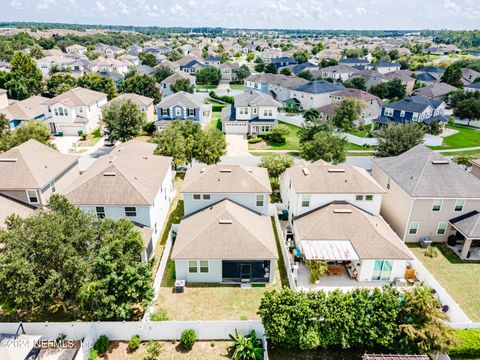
(179,286)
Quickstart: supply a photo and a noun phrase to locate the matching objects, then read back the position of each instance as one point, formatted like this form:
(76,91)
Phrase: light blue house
(32,108)
(179,106)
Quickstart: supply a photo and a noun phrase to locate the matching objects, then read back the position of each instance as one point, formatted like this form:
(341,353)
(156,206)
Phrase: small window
(359,197)
(178,111)
(191,112)
(413,228)
(53,187)
(204,266)
(192,266)
(459,204)
(206,196)
(197,197)
(259,200)
(32,196)
(437,205)
(442,228)
(100,210)
(369,197)
(164,112)
(305,200)
(56,112)
(130,211)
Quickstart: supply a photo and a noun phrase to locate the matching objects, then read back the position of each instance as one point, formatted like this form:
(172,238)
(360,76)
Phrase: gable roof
(255,98)
(225,231)
(227,179)
(177,75)
(353,61)
(138,100)
(383,63)
(77,97)
(421,172)
(318,87)
(357,94)
(289,81)
(186,99)
(435,90)
(468,224)
(9,206)
(32,165)
(27,109)
(129,175)
(321,177)
(370,235)
(414,104)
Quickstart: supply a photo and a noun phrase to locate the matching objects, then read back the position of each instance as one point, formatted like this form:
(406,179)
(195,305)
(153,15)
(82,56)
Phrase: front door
(246,271)
(53,128)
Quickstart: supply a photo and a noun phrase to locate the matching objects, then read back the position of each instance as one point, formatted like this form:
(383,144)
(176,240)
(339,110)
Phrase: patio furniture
(352,271)
(410,276)
(335,270)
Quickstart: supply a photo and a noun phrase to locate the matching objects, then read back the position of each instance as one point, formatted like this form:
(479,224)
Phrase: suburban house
(229,71)
(165,85)
(212,61)
(32,172)
(143,103)
(192,66)
(130,182)
(314,94)
(76,49)
(47,63)
(354,62)
(278,85)
(383,66)
(334,213)
(372,105)
(24,110)
(252,112)
(283,61)
(179,106)
(469,76)
(338,72)
(427,195)
(435,91)
(413,109)
(108,64)
(215,241)
(472,87)
(75,111)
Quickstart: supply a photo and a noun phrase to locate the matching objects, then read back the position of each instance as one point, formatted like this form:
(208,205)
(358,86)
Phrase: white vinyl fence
(286,258)
(428,140)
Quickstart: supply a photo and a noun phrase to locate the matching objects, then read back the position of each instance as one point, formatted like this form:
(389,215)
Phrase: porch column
(465,248)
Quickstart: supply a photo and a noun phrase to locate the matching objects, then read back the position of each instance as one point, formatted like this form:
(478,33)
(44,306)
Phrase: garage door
(235,128)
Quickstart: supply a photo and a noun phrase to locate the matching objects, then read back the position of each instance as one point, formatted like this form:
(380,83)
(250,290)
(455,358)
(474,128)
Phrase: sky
(286,14)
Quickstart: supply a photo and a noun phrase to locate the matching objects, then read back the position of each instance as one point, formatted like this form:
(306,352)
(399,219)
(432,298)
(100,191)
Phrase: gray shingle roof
(255,98)
(318,87)
(468,224)
(186,99)
(414,104)
(421,172)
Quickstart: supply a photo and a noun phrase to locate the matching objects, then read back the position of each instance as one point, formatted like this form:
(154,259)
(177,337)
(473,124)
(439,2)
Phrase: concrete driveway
(65,143)
(237,145)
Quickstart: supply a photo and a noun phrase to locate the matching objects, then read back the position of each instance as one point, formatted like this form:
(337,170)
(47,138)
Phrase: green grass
(215,121)
(236,86)
(460,278)
(174,218)
(467,136)
(351,146)
(208,87)
(259,153)
(369,153)
(281,261)
(457,153)
(291,142)
(361,133)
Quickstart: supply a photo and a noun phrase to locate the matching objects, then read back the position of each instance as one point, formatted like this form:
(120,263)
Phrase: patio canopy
(328,250)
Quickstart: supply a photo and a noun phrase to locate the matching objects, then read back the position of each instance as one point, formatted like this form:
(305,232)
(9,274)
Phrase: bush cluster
(188,339)
(227,99)
(468,345)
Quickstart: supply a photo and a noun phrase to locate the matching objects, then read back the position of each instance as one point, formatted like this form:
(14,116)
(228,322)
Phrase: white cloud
(100,7)
(451,5)
(360,10)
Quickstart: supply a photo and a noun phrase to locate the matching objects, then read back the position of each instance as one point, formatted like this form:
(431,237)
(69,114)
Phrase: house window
(415,116)
(130,211)
(56,112)
(204,266)
(402,113)
(437,205)
(305,200)
(254,110)
(442,228)
(369,197)
(60,111)
(197,197)
(164,112)
(388,112)
(178,111)
(382,269)
(192,266)
(53,187)
(191,112)
(259,200)
(32,196)
(359,197)
(206,196)
(100,210)
(413,228)
(459,204)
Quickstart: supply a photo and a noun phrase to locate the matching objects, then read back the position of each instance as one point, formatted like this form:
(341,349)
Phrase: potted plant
(317,269)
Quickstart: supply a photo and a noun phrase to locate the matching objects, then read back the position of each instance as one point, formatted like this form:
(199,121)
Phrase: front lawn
(206,87)
(291,142)
(361,133)
(215,120)
(467,136)
(237,87)
(460,278)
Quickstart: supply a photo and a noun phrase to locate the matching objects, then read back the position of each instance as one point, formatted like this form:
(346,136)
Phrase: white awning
(328,250)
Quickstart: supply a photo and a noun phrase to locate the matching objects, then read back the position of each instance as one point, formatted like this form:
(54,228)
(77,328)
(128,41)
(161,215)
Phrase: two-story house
(131,182)
(338,72)
(179,106)
(383,66)
(426,195)
(413,109)
(252,112)
(24,110)
(143,103)
(314,94)
(334,213)
(354,62)
(75,111)
(226,235)
(372,105)
(212,61)
(278,85)
(31,173)
(165,85)
(229,71)
(192,66)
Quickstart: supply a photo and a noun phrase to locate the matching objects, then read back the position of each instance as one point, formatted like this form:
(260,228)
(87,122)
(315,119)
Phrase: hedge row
(468,344)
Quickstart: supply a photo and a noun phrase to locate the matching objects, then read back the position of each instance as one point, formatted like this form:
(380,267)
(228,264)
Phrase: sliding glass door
(382,270)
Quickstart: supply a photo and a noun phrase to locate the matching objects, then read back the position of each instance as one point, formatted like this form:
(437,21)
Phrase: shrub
(265,135)
(149,127)
(188,338)
(468,344)
(279,133)
(93,354)
(217,108)
(154,350)
(431,252)
(225,98)
(96,133)
(83,136)
(255,140)
(246,347)
(101,345)
(309,340)
(134,343)
(317,269)
(159,315)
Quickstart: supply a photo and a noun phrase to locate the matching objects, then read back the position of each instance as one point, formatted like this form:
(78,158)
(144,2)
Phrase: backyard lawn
(467,136)
(215,120)
(460,278)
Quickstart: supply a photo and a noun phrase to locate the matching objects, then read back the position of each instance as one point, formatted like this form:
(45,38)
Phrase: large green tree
(210,146)
(148,59)
(356,83)
(208,76)
(468,108)
(243,72)
(395,139)
(98,83)
(32,129)
(142,84)
(24,79)
(453,75)
(72,265)
(183,84)
(162,72)
(349,111)
(276,165)
(59,83)
(325,145)
(123,120)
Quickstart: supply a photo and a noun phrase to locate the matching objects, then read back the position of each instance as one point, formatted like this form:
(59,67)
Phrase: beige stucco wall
(476,170)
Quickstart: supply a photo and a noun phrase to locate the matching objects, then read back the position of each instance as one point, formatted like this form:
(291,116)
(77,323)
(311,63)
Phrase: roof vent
(8,160)
(342,211)
(109,174)
(336,170)
(305,171)
(225,221)
(440,162)
(225,170)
